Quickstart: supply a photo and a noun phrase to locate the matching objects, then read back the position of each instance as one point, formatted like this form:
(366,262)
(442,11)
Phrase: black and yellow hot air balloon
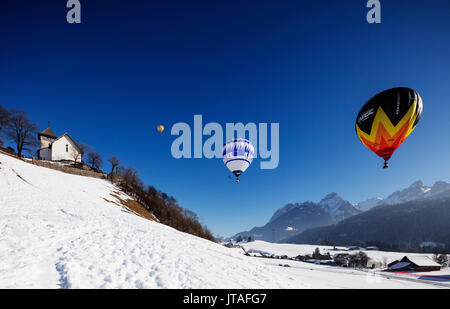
(387,119)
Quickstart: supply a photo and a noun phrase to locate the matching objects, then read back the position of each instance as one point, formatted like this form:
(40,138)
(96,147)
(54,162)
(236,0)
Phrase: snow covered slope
(337,276)
(57,230)
(292,250)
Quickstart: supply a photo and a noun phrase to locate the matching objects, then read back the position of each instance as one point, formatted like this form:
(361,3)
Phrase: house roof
(48,133)
(420,261)
(67,134)
(399,265)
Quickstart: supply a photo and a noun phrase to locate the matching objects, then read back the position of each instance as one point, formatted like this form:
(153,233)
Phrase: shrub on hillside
(164,207)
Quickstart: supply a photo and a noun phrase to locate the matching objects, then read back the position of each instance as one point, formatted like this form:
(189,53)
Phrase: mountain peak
(337,207)
(329,197)
(439,186)
(416,184)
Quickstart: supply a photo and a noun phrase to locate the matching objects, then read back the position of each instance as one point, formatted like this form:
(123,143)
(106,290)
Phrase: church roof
(75,143)
(48,133)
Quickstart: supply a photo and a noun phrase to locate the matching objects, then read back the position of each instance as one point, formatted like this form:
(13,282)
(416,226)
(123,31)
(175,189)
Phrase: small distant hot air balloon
(160,128)
(238,155)
(385,122)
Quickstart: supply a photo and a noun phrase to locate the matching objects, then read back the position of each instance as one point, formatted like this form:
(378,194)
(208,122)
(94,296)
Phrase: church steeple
(47,133)
(47,137)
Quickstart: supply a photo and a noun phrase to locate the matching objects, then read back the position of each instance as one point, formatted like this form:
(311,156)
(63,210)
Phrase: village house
(352,248)
(62,148)
(415,263)
(341,259)
(372,248)
(326,262)
(300,258)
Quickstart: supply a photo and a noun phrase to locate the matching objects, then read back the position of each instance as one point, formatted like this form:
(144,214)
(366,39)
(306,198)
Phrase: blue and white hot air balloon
(238,155)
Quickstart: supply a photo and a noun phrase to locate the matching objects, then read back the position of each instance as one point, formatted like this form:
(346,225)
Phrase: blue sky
(131,65)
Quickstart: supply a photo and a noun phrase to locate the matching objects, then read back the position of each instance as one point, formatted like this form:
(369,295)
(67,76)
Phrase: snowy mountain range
(405,226)
(415,191)
(294,218)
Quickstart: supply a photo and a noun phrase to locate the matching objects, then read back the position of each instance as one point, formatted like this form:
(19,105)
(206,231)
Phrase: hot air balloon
(160,128)
(238,155)
(388,119)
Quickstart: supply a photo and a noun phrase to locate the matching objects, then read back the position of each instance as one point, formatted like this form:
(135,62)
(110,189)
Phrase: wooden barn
(414,263)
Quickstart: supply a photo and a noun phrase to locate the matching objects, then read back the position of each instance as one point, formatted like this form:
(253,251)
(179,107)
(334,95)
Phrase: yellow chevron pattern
(382,118)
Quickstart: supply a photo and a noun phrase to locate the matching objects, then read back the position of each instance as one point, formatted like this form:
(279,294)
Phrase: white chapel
(62,148)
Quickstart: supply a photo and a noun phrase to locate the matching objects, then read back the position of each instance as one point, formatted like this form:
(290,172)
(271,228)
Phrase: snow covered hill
(333,275)
(292,250)
(64,231)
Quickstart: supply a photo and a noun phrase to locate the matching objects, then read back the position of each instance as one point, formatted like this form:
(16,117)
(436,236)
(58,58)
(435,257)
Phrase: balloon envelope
(160,128)
(388,119)
(238,155)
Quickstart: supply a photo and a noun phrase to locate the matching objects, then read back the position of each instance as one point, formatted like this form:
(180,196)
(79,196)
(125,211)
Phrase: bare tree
(94,159)
(78,155)
(4,115)
(130,176)
(22,131)
(114,163)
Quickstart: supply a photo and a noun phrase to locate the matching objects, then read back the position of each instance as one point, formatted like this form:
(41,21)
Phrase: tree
(442,259)
(114,163)
(358,260)
(316,254)
(4,115)
(94,159)
(3,120)
(78,155)
(165,208)
(129,176)
(22,131)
